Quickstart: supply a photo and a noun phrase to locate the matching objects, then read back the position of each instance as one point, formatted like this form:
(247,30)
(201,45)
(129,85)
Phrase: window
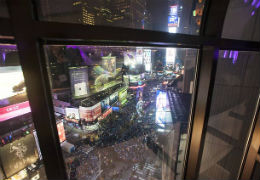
(122,112)
(248,26)
(165,15)
(132,89)
(19,147)
(235,95)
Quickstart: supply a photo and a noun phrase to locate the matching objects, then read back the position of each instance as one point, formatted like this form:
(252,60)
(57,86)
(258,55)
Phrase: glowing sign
(170,55)
(14,110)
(173,21)
(173,10)
(61,131)
(147,59)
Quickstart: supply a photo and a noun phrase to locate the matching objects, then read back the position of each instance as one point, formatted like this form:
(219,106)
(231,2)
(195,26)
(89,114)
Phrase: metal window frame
(30,35)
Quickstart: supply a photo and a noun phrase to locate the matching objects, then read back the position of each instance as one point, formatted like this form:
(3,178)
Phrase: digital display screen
(135,78)
(173,21)
(100,79)
(163,111)
(109,64)
(147,59)
(122,96)
(19,154)
(134,60)
(109,111)
(79,81)
(61,131)
(90,113)
(72,114)
(113,98)
(13,98)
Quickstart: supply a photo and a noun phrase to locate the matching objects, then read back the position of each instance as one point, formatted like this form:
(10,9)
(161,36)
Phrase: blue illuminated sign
(173,21)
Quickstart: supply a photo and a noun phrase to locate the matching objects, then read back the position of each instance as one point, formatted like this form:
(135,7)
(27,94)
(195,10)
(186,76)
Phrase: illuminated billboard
(13,98)
(173,19)
(147,59)
(170,56)
(14,110)
(72,114)
(109,64)
(113,98)
(135,78)
(61,131)
(163,111)
(162,102)
(109,111)
(100,79)
(90,113)
(134,60)
(122,95)
(129,59)
(139,56)
(19,154)
(79,81)
(173,10)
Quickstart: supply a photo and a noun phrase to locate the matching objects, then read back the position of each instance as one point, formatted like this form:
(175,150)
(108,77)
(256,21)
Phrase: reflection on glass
(19,148)
(236,91)
(122,111)
(174,16)
(248,26)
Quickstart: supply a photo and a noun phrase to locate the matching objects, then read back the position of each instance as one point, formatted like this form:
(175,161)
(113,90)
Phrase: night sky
(159,12)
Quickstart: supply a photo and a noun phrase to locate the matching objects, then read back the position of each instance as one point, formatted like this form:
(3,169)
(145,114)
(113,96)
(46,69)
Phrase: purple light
(253,13)
(225,54)
(3,55)
(216,54)
(253,3)
(245,1)
(230,54)
(82,54)
(235,57)
(258,4)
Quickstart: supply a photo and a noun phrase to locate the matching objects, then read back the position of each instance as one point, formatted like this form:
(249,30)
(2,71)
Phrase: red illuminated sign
(90,113)
(14,110)
(61,131)
(109,111)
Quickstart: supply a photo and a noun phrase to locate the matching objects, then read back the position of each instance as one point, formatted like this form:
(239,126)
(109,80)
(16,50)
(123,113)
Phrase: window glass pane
(242,20)
(3,9)
(122,112)
(234,99)
(175,16)
(19,148)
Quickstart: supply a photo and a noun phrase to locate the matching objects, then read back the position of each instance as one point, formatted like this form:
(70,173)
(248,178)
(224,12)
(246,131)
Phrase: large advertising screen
(162,102)
(122,95)
(135,78)
(147,60)
(19,154)
(90,113)
(61,131)
(13,98)
(101,79)
(109,64)
(170,56)
(134,60)
(113,98)
(139,56)
(72,114)
(79,81)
